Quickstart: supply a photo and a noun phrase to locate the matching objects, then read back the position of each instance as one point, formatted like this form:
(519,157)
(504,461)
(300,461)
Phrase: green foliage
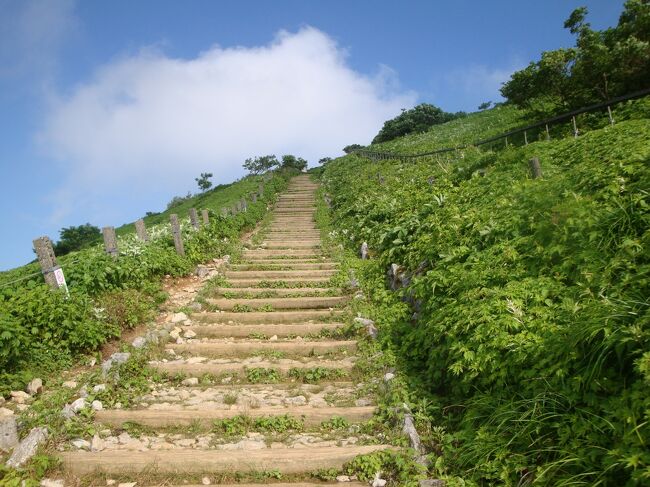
(293,162)
(417,119)
(530,295)
(398,467)
(349,149)
(257,375)
(316,374)
(127,308)
(261,164)
(76,238)
(177,201)
(204,181)
(240,425)
(602,65)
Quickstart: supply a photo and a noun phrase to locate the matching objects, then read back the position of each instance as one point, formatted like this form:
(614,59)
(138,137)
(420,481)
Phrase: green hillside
(43,331)
(528,329)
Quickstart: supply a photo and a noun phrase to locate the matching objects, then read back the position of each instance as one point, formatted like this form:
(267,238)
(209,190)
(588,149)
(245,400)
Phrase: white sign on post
(60,280)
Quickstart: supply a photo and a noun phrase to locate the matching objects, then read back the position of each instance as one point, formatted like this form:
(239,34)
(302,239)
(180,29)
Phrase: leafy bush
(417,119)
(531,296)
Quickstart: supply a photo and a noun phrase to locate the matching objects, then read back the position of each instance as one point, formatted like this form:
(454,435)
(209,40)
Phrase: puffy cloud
(151,116)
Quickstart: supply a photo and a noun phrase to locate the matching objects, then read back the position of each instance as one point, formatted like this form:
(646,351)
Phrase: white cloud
(152,118)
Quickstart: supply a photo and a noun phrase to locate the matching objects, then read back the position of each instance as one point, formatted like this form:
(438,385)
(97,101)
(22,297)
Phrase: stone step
(281,252)
(284,484)
(183,417)
(241,348)
(290,244)
(228,304)
(288,261)
(280,274)
(266,317)
(278,329)
(192,461)
(275,292)
(196,369)
(291,265)
(321,281)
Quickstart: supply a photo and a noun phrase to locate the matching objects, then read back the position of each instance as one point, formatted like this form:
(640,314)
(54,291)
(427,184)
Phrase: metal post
(176,232)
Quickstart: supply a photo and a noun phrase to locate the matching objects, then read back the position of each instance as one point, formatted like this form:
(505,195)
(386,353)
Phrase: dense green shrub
(530,296)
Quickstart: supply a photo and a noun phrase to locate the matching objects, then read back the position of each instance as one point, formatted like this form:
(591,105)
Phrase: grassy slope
(532,294)
(214,199)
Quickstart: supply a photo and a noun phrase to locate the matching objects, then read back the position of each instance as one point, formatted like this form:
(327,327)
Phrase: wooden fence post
(243,205)
(141,230)
(194,218)
(47,259)
(535,168)
(224,212)
(235,209)
(176,232)
(254,197)
(110,241)
(260,189)
(206,217)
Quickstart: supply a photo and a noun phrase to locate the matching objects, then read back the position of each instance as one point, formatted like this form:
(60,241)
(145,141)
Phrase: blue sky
(109,109)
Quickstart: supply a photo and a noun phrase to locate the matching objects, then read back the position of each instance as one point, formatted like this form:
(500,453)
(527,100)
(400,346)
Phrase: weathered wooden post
(110,241)
(141,230)
(224,212)
(243,204)
(254,197)
(611,117)
(235,209)
(260,189)
(206,217)
(194,218)
(535,168)
(575,127)
(548,134)
(47,259)
(176,232)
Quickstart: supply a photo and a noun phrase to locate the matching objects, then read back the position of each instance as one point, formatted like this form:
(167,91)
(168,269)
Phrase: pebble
(97,405)
(52,483)
(274,338)
(206,481)
(178,317)
(99,388)
(110,482)
(70,384)
(192,381)
(19,397)
(81,444)
(78,405)
(343,478)
(97,444)
(389,376)
(189,334)
(35,387)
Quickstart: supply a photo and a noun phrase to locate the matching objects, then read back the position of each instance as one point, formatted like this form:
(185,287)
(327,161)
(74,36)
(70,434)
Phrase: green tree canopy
(602,65)
(204,181)
(292,162)
(76,238)
(260,164)
(417,119)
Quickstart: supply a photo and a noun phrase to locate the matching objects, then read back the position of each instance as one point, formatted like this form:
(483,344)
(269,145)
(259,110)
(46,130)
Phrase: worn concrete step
(182,417)
(192,461)
(293,235)
(282,252)
(320,281)
(278,329)
(284,484)
(241,348)
(288,261)
(227,304)
(290,244)
(285,265)
(280,274)
(271,292)
(193,370)
(266,317)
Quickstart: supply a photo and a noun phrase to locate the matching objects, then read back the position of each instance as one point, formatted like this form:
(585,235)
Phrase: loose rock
(70,384)
(99,388)
(35,387)
(178,317)
(52,483)
(139,342)
(27,448)
(19,397)
(189,334)
(97,405)
(8,432)
(192,381)
(81,444)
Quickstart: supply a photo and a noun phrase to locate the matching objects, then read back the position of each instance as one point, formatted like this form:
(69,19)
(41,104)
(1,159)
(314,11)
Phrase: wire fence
(545,124)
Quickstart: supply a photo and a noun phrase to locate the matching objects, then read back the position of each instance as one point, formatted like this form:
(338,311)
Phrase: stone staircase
(277,318)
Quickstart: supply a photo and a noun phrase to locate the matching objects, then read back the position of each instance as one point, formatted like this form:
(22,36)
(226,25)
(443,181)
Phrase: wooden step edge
(311,416)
